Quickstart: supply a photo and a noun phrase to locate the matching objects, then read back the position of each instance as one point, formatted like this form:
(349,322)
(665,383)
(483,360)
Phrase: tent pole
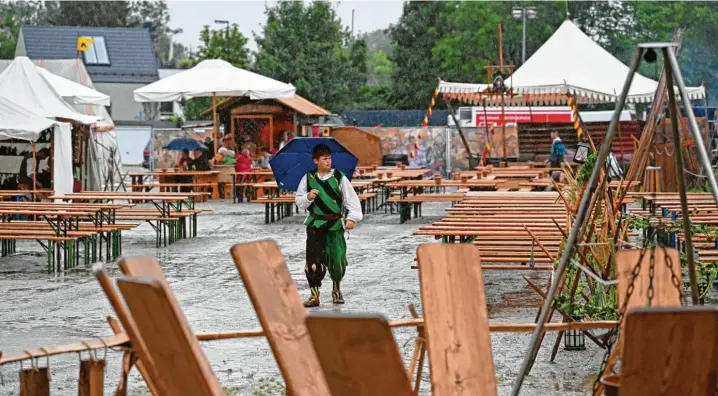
(34,172)
(214,121)
(578,224)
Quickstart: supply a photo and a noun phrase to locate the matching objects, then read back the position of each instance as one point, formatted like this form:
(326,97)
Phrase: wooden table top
(175,173)
(124,197)
(409,173)
(444,183)
(273,184)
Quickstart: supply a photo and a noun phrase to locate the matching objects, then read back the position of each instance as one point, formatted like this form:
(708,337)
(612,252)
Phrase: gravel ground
(38,309)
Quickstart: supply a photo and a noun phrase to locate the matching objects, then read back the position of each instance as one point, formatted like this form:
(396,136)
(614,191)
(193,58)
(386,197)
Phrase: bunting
(576,120)
(431,107)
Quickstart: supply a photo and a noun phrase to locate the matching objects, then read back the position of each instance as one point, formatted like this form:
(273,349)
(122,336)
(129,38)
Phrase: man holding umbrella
(326,193)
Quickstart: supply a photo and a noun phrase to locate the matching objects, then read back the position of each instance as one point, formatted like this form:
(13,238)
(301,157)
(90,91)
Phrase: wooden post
(92,378)
(215,127)
(503,94)
(271,133)
(34,173)
(35,382)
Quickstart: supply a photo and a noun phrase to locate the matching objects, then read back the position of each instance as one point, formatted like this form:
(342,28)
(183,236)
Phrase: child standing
(326,193)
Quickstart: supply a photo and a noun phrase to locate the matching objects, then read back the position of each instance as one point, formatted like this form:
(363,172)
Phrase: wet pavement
(37,309)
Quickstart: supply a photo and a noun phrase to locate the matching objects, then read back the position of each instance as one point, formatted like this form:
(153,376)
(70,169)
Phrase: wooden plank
(282,315)
(670,351)
(457,321)
(358,355)
(173,347)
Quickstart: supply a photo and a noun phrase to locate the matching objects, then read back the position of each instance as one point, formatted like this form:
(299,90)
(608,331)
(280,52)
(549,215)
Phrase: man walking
(326,193)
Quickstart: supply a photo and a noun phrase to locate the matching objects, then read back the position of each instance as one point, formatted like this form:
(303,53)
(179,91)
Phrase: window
(96,54)
(166,107)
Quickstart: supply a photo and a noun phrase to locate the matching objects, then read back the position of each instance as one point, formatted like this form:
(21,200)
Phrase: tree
(158,14)
(415,70)
(91,13)
(303,44)
(378,40)
(380,69)
(14,14)
(214,46)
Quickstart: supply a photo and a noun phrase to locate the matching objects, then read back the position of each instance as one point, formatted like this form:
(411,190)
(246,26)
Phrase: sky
(192,15)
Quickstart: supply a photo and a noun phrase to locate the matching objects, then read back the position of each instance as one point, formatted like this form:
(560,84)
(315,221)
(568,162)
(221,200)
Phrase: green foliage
(584,172)
(304,44)
(380,69)
(415,70)
(92,13)
(214,46)
(193,108)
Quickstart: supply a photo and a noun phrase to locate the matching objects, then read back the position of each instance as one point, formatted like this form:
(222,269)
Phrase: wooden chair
(670,351)
(282,315)
(456,320)
(170,342)
(358,355)
(139,354)
(665,293)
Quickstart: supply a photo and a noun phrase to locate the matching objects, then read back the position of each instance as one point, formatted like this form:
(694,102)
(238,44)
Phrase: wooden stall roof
(296,103)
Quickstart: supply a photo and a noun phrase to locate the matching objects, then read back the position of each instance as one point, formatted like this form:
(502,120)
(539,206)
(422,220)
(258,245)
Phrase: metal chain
(674,278)
(614,334)
(651,275)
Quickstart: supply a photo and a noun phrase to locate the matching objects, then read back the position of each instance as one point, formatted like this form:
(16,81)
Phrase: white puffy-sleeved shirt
(350,200)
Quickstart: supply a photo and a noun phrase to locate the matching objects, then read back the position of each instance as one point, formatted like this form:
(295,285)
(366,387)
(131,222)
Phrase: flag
(83,43)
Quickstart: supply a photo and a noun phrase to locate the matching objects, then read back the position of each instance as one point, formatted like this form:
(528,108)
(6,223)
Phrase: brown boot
(313,300)
(337,297)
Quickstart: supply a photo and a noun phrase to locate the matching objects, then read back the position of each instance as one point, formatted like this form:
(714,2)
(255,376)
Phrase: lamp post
(226,23)
(523,13)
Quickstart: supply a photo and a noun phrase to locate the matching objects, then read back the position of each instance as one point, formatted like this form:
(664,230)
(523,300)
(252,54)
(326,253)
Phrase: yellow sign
(83,43)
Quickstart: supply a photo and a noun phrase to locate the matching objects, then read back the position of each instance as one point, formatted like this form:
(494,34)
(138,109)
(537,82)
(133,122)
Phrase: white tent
(570,63)
(210,77)
(73,92)
(19,123)
(214,77)
(22,83)
(103,163)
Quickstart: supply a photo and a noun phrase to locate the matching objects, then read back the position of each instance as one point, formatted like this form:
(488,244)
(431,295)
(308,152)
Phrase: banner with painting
(426,146)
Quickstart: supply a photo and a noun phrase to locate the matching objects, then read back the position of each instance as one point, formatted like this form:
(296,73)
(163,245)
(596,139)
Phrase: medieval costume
(326,247)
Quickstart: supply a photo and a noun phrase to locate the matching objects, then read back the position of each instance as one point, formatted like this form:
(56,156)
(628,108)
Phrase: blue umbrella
(185,144)
(294,160)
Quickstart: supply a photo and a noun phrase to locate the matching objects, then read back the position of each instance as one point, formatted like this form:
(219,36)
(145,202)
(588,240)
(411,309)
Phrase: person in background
(185,161)
(287,137)
(557,151)
(210,147)
(243,162)
(28,165)
(200,162)
(264,157)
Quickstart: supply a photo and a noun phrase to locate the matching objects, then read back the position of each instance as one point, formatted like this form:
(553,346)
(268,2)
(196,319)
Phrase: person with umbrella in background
(326,193)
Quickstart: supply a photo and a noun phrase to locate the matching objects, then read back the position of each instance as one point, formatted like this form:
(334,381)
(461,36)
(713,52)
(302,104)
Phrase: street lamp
(523,13)
(221,22)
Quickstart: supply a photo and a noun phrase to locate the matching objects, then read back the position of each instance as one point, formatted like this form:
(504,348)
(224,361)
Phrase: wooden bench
(368,201)
(407,202)
(176,187)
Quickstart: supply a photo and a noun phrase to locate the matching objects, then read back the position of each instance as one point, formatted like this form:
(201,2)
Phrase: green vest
(327,204)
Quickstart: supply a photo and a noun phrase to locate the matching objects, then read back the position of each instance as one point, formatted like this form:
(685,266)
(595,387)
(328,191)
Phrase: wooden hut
(257,123)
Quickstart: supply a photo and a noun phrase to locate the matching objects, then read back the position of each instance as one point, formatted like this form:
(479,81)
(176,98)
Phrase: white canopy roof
(570,63)
(22,84)
(17,122)
(213,76)
(73,92)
